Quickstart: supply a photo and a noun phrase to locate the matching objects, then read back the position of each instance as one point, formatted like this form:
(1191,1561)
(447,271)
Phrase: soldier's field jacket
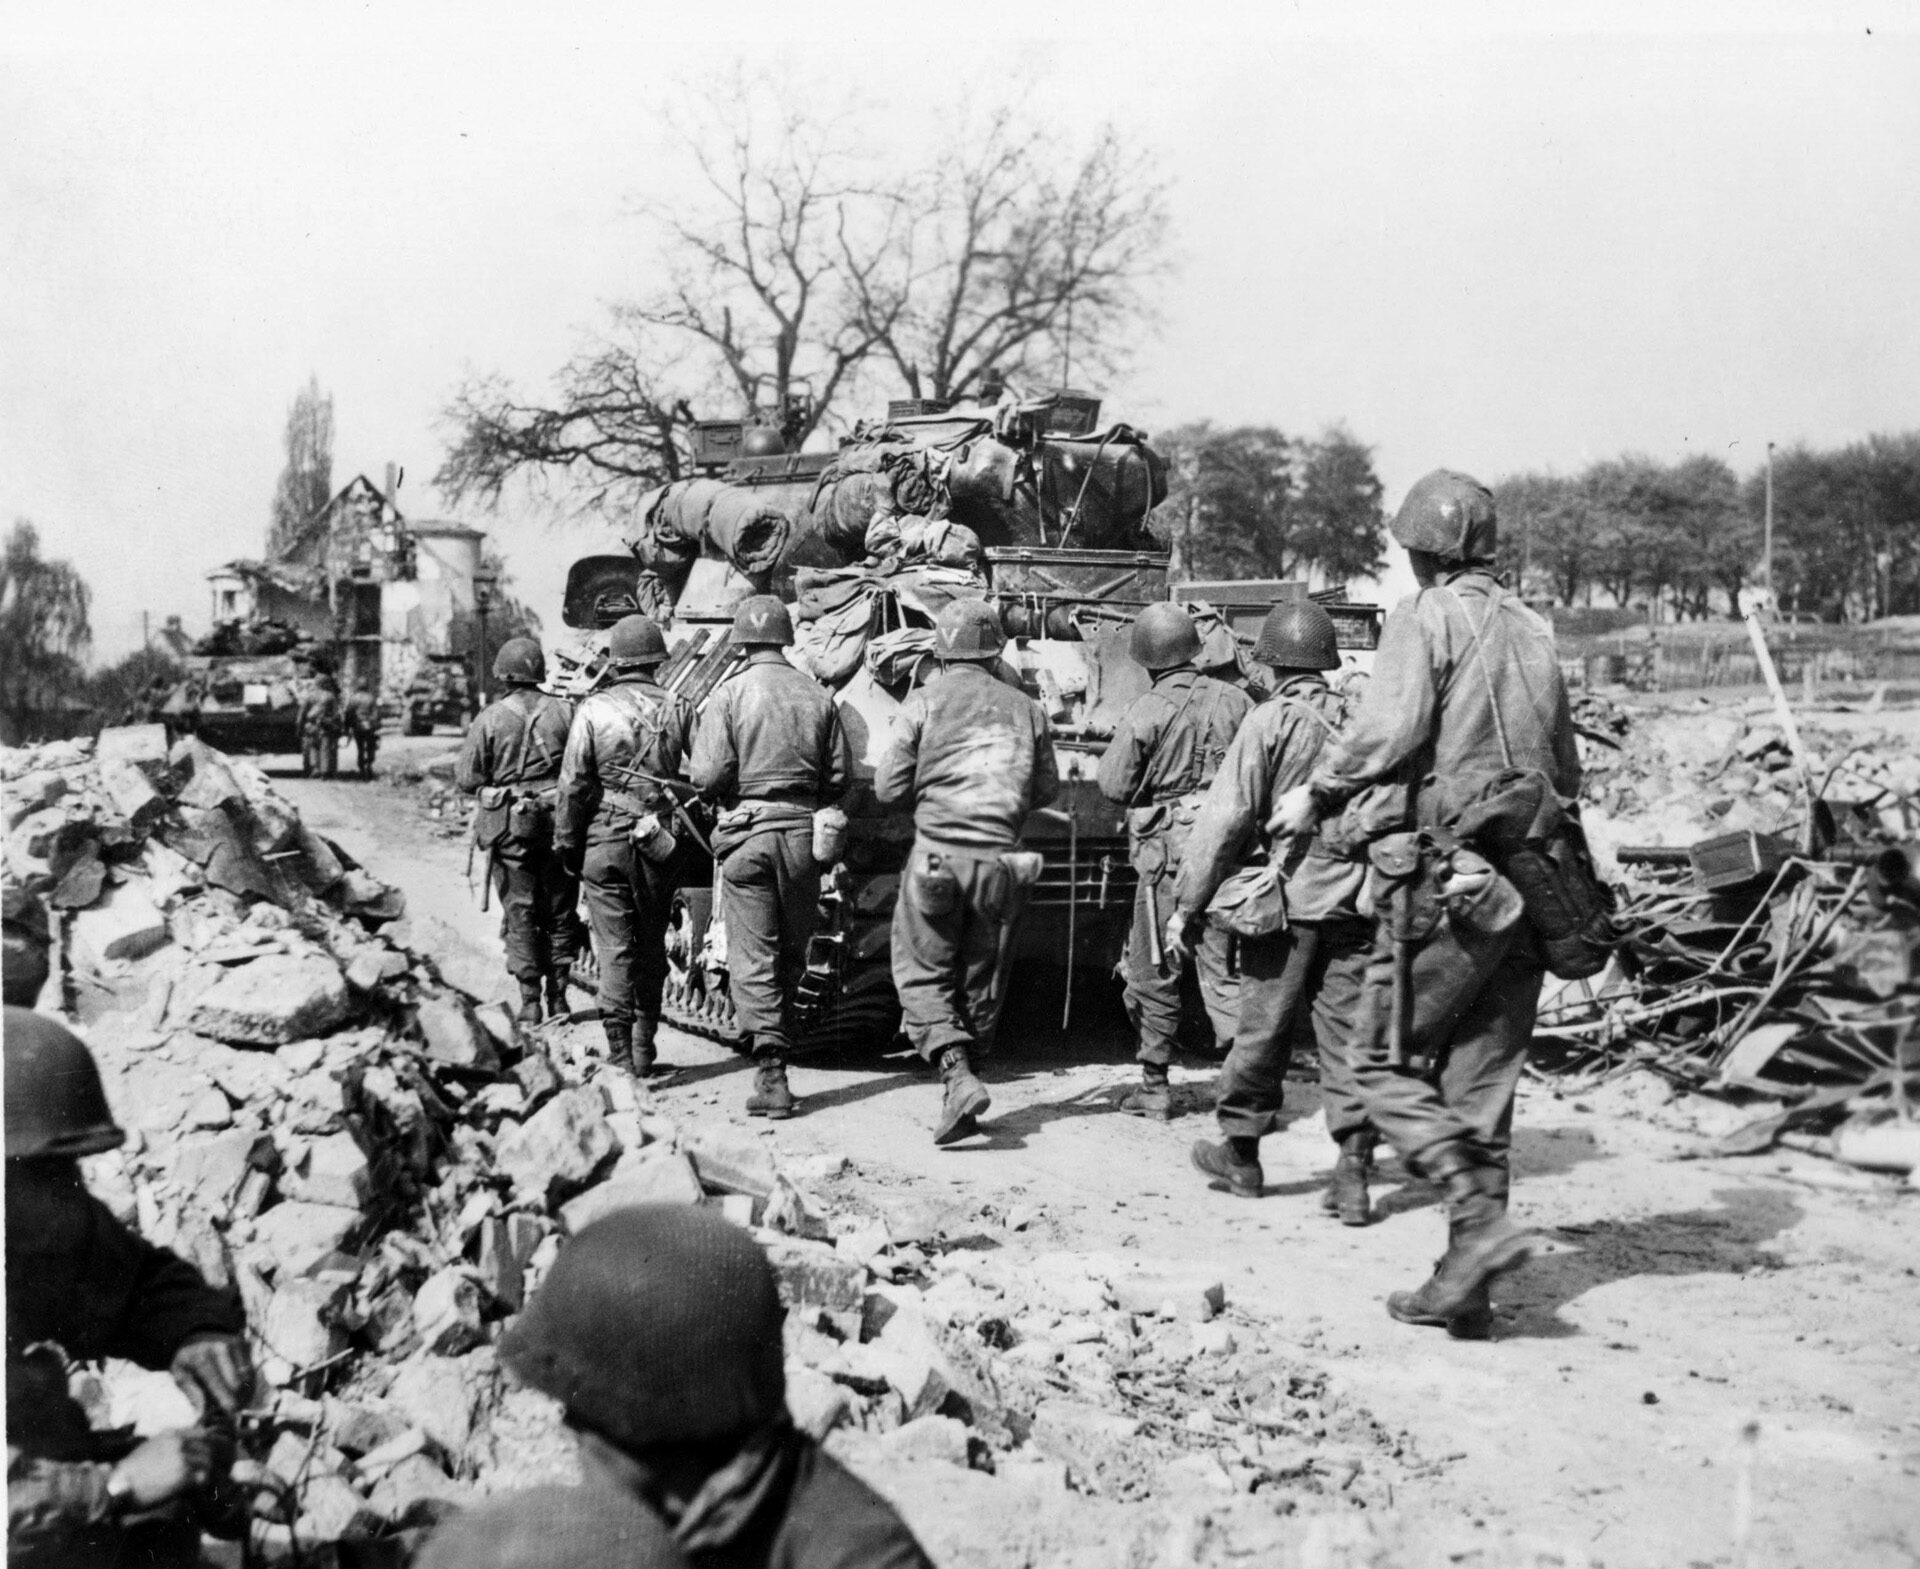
(632,728)
(771,733)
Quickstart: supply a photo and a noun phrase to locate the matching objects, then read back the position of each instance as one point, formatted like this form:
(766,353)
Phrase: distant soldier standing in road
(1163,756)
(1465,704)
(972,756)
(511,760)
(319,720)
(613,831)
(771,751)
(363,724)
(1312,966)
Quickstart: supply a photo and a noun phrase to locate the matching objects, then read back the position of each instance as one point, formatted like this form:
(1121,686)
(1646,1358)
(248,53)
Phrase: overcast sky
(1485,236)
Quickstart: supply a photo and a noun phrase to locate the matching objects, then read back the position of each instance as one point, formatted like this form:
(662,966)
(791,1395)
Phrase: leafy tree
(801,269)
(45,628)
(1545,545)
(1847,526)
(1336,523)
(306,483)
(118,691)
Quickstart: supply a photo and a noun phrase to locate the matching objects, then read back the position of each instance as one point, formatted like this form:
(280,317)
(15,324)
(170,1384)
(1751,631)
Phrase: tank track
(865,1016)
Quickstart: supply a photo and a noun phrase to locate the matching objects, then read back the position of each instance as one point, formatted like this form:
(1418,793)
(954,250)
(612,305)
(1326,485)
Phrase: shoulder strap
(1476,648)
(1320,719)
(1160,742)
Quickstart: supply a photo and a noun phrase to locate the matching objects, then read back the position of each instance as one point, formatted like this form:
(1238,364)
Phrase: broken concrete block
(537,1076)
(446,1311)
(1213,1340)
(298,1235)
(209,1111)
(813,1278)
(329,1170)
(359,1426)
(434,1394)
(210,1170)
(929,1438)
(417,1493)
(332,1511)
(450,1033)
(202,776)
(499,1023)
(143,746)
(31,793)
(815,1402)
(273,1000)
(729,1160)
(790,1210)
(499,1268)
(654,1178)
(1190,1297)
(366,972)
(133,795)
(369,898)
(558,1148)
(915,1362)
(739,1208)
(302,1323)
(123,924)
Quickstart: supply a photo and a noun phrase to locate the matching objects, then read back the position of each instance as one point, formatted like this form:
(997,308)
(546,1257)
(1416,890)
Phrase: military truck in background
(1031,505)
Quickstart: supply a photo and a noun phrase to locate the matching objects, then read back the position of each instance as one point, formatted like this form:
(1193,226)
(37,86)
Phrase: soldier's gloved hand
(216,1371)
(164,1467)
(1293,813)
(1177,942)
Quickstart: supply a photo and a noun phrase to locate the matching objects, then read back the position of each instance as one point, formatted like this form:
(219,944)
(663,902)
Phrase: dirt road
(1689,1301)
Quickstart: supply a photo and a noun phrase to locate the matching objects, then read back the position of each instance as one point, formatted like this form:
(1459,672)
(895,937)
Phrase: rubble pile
(384,1171)
(1771,947)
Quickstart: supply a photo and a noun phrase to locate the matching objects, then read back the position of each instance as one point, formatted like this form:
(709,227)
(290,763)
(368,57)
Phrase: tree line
(1684,538)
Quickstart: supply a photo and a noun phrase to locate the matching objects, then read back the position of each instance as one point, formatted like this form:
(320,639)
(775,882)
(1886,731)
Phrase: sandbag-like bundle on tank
(678,521)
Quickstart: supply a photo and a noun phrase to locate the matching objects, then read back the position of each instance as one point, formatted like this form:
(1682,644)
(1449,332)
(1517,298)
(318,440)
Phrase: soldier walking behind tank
(972,756)
(612,832)
(1466,700)
(81,1286)
(1313,965)
(511,760)
(771,751)
(319,720)
(1163,756)
(659,1330)
(363,724)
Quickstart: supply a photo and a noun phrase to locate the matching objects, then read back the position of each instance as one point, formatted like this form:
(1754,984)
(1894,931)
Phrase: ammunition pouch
(931,885)
(1157,832)
(530,819)
(652,839)
(1251,903)
(492,817)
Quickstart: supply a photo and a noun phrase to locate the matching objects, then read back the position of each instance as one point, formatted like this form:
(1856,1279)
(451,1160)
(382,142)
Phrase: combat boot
(619,1043)
(558,979)
(771,1097)
(1153,1096)
(1346,1194)
(644,1056)
(1236,1162)
(529,1013)
(1474,1320)
(1483,1243)
(964,1098)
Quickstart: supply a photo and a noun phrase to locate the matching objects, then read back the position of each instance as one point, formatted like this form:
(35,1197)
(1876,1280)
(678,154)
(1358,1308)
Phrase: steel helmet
(968,629)
(762,441)
(1448,515)
(1164,637)
(636,641)
(762,622)
(554,1527)
(1298,635)
(657,1324)
(520,660)
(55,1104)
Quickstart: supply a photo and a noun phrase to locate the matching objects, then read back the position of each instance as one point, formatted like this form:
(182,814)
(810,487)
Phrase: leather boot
(1234,1162)
(1346,1194)
(619,1043)
(1483,1243)
(529,1013)
(964,1098)
(1474,1320)
(558,979)
(1153,1097)
(644,1056)
(771,1097)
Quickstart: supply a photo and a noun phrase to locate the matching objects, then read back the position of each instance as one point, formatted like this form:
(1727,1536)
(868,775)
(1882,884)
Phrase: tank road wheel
(695,998)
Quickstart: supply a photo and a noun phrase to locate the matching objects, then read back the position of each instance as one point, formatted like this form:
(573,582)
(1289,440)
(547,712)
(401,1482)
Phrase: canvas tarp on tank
(745,526)
(914,567)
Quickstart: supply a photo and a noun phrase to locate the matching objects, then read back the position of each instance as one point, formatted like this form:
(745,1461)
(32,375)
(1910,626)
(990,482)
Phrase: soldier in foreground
(771,751)
(1311,966)
(511,761)
(1466,691)
(659,1331)
(1163,756)
(363,724)
(319,720)
(972,757)
(81,1286)
(629,739)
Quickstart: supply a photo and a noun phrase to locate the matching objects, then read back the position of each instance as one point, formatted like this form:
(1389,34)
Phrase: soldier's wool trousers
(537,898)
(629,900)
(944,959)
(1314,971)
(770,899)
(1152,992)
(1474,998)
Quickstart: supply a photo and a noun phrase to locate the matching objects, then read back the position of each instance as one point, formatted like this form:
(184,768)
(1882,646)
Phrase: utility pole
(1766,548)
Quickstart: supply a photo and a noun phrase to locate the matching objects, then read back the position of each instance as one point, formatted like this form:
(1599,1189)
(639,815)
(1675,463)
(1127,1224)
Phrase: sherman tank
(241,688)
(1034,506)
